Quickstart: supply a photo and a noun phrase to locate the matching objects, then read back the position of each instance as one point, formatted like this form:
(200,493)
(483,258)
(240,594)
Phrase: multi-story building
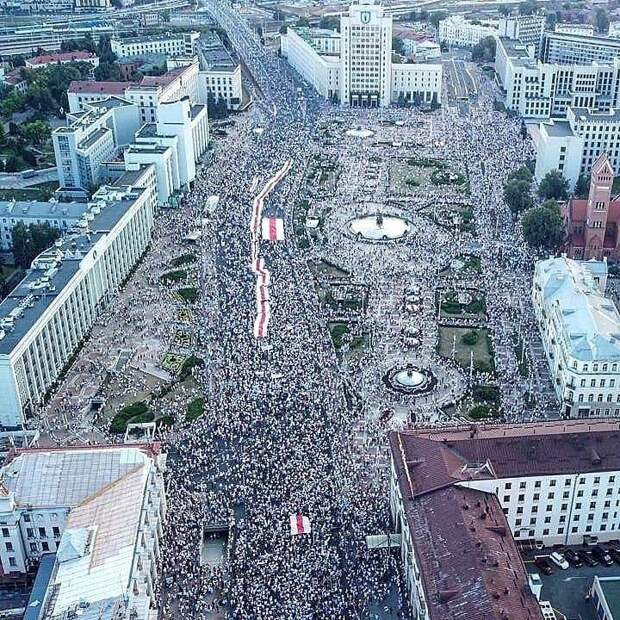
(528,29)
(40,62)
(356,66)
(220,74)
(92,137)
(365,56)
(97,515)
(583,29)
(58,215)
(568,48)
(543,90)
(170,44)
(593,224)
(579,328)
(460,32)
(463,497)
(46,317)
(573,145)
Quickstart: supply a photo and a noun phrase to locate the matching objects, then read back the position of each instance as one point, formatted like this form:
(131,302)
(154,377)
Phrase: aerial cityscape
(310,310)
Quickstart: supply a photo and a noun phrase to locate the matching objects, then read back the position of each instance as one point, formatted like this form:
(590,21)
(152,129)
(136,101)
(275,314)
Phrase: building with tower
(356,66)
(593,225)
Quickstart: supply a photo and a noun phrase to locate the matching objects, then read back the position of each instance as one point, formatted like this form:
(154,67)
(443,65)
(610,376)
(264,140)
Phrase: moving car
(559,560)
(573,557)
(543,565)
(614,553)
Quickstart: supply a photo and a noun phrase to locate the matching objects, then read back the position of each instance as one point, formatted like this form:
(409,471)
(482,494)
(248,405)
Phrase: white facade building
(568,48)
(580,330)
(58,215)
(357,67)
(527,29)
(577,142)
(463,495)
(44,319)
(92,137)
(101,510)
(460,32)
(170,44)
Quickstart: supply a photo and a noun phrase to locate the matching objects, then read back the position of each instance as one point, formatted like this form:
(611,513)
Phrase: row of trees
(29,241)
(484,51)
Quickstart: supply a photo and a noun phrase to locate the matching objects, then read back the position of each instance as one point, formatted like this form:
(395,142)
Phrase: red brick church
(593,225)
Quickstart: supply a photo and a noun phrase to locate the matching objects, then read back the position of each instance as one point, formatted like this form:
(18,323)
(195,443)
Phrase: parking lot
(566,590)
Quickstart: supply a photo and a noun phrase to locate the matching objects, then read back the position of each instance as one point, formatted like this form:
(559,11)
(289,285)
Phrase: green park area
(465,341)
(195,409)
(465,304)
(188,294)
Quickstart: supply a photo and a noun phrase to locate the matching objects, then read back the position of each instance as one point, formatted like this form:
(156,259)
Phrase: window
(521,497)
(12,561)
(522,485)
(9,546)
(42,532)
(45,546)
(5,532)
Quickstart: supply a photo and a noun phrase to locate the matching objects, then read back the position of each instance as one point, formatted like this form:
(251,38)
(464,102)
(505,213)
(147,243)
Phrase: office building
(462,498)
(537,90)
(527,29)
(456,30)
(568,48)
(40,62)
(356,66)
(583,29)
(573,145)
(92,518)
(220,74)
(57,215)
(46,317)
(170,44)
(593,224)
(92,137)
(580,330)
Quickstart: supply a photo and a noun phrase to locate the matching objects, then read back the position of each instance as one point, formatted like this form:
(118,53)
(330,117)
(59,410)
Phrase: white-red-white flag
(300,524)
(273,229)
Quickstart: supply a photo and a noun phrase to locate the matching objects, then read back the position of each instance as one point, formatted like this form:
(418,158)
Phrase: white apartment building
(580,330)
(577,142)
(170,44)
(356,66)
(458,31)
(92,137)
(46,317)
(365,56)
(101,510)
(568,48)
(462,497)
(583,29)
(57,215)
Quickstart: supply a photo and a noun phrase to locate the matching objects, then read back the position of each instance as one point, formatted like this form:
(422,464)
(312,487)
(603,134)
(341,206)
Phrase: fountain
(379,227)
(410,380)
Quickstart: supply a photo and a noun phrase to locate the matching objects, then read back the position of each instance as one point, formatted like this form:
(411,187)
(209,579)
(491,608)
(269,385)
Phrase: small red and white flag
(273,229)
(300,524)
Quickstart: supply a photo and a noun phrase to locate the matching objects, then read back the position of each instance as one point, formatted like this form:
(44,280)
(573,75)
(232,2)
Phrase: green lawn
(135,413)
(43,192)
(173,276)
(195,409)
(483,355)
(188,294)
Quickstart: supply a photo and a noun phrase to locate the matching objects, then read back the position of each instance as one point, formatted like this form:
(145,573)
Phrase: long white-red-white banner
(263,310)
(273,229)
(300,524)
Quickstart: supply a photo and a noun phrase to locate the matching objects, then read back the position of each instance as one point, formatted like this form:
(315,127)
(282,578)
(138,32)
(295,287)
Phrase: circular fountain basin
(360,133)
(410,380)
(383,228)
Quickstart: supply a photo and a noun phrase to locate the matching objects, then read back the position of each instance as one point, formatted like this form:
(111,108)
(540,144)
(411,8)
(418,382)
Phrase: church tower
(601,181)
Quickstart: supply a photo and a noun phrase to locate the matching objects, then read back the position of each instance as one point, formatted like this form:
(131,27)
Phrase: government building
(356,66)
(464,498)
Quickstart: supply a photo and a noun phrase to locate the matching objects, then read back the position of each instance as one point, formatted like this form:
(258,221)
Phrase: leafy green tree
(108,72)
(436,16)
(29,241)
(398,45)
(12,103)
(543,227)
(528,7)
(521,174)
(303,22)
(582,187)
(330,22)
(37,131)
(601,18)
(484,51)
(517,196)
(504,10)
(553,186)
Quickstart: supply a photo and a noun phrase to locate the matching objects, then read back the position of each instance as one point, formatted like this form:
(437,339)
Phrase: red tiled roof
(162,80)
(65,57)
(105,88)
(469,564)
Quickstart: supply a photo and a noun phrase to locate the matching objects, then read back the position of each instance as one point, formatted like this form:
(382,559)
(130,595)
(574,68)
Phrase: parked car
(573,557)
(544,565)
(602,555)
(588,558)
(614,553)
(559,560)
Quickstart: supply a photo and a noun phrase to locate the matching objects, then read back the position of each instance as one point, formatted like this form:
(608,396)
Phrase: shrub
(195,409)
(189,294)
(480,412)
(184,259)
(470,338)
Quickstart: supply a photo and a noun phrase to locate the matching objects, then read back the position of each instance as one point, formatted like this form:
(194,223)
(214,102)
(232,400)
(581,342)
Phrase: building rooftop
(558,129)
(469,564)
(611,590)
(103,88)
(589,321)
(60,58)
(41,210)
(597,116)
